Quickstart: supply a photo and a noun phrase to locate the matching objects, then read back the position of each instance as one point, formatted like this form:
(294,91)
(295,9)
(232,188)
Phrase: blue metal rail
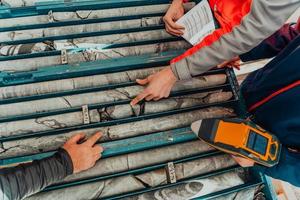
(124,146)
(88,68)
(228,191)
(207,175)
(139,171)
(74,22)
(59,6)
(83,35)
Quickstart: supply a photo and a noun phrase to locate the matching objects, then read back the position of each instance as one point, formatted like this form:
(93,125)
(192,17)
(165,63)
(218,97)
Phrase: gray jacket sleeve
(27,179)
(264,18)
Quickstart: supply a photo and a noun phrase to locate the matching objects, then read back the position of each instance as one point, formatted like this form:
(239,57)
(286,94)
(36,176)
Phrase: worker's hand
(233,63)
(243,162)
(85,155)
(159,86)
(175,11)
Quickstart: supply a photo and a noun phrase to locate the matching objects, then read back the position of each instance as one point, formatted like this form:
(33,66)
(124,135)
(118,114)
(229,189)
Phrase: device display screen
(257,143)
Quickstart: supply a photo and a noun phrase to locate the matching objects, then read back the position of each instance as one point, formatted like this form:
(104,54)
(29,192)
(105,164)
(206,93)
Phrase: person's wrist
(178,1)
(171,74)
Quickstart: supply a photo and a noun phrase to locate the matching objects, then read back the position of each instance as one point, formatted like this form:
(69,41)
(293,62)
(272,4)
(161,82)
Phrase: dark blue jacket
(277,88)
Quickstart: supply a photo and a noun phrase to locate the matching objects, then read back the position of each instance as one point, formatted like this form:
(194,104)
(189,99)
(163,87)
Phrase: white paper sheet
(198,23)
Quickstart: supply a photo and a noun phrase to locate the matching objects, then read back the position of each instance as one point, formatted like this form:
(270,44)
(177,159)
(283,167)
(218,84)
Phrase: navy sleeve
(27,179)
(272,45)
(287,169)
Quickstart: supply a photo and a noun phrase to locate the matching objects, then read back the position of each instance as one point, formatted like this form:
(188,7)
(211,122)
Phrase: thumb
(142,81)
(223,64)
(76,138)
(93,139)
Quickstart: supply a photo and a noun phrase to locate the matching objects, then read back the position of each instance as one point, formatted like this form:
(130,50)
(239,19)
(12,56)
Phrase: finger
(97,157)
(171,32)
(163,94)
(139,98)
(169,21)
(167,95)
(237,62)
(177,26)
(174,31)
(237,67)
(145,81)
(149,98)
(142,81)
(223,64)
(76,138)
(157,98)
(97,149)
(93,139)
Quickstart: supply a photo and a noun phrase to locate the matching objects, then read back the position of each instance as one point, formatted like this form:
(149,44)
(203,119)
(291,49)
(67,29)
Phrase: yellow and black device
(241,138)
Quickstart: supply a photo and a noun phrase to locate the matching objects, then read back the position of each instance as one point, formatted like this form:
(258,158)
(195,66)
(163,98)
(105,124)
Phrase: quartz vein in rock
(88,55)
(155,156)
(193,188)
(248,194)
(53,142)
(9,50)
(19,3)
(109,113)
(78,29)
(82,15)
(118,94)
(125,184)
(70,84)
(83,43)
(112,39)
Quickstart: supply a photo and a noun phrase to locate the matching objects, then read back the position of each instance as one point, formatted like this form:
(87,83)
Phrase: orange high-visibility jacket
(243,25)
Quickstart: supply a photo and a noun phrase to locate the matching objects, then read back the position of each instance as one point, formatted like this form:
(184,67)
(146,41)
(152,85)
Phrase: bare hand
(85,155)
(243,162)
(233,63)
(175,11)
(159,86)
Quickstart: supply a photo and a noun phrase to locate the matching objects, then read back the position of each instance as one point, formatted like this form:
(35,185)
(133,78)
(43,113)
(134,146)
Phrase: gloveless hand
(233,63)
(175,11)
(85,155)
(159,86)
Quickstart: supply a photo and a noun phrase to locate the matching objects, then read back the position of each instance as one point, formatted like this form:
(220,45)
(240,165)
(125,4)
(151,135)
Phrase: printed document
(198,23)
